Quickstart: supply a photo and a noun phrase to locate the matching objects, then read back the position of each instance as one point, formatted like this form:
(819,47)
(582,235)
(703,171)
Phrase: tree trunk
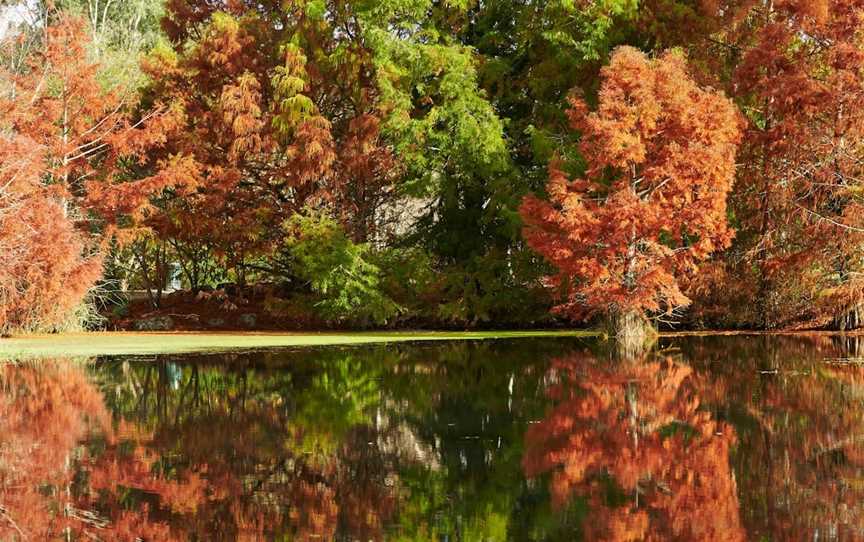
(850,319)
(632,332)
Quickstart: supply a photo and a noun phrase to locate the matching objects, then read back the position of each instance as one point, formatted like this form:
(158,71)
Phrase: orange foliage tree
(44,270)
(799,81)
(64,141)
(641,424)
(794,69)
(279,112)
(660,154)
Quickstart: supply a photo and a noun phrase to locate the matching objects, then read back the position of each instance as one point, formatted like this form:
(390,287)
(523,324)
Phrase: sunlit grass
(96,344)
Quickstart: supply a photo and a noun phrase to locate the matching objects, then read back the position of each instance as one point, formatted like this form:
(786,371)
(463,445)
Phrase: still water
(722,438)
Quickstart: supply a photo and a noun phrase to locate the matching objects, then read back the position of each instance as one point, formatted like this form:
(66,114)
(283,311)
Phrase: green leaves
(337,269)
(316,9)
(289,83)
(589,27)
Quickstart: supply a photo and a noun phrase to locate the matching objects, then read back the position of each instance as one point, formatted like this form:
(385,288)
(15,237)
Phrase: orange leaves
(44,274)
(241,112)
(366,173)
(798,76)
(65,137)
(60,104)
(817,10)
(268,122)
(225,46)
(661,159)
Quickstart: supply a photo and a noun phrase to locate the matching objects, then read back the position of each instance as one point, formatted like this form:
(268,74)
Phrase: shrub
(340,272)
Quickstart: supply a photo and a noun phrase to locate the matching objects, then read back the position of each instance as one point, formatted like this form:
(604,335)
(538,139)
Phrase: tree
(83,133)
(414,152)
(119,32)
(798,78)
(278,113)
(65,142)
(45,268)
(660,161)
(337,270)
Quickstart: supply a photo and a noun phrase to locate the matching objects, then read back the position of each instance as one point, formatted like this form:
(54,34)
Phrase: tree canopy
(208,142)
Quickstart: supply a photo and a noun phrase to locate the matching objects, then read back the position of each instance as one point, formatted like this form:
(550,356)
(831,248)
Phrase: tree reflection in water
(798,407)
(634,440)
(704,439)
(206,455)
(45,410)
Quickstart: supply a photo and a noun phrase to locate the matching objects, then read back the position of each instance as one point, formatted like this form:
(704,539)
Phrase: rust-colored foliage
(44,270)
(62,138)
(660,155)
(642,425)
(795,68)
(79,131)
(269,124)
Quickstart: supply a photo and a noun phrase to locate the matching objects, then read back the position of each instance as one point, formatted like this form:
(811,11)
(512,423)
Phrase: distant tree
(121,31)
(660,154)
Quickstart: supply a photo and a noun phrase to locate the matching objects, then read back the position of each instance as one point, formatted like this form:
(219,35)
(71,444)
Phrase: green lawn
(93,344)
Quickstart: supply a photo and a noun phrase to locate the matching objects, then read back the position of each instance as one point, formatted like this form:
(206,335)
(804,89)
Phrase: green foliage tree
(340,272)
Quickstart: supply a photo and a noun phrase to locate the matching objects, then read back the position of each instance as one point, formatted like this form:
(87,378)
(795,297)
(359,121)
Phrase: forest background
(420,163)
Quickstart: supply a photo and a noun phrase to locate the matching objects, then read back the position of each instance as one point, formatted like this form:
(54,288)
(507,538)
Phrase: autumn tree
(651,204)
(411,149)
(65,142)
(119,32)
(278,113)
(796,73)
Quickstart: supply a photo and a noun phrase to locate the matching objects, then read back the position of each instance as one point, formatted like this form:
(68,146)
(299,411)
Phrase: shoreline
(122,343)
(128,343)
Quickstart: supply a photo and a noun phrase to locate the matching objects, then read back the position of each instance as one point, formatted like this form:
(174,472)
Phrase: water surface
(719,438)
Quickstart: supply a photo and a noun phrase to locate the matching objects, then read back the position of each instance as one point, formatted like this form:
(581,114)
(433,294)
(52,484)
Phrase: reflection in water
(45,410)
(633,439)
(799,416)
(706,439)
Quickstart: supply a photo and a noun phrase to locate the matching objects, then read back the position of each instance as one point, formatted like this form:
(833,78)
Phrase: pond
(711,438)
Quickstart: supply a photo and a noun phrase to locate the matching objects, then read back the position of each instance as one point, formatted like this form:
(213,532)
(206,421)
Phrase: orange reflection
(637,430)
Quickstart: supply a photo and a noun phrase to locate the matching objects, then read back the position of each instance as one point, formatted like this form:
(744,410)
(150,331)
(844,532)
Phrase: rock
(154,323)
(248,320)
(216,322)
